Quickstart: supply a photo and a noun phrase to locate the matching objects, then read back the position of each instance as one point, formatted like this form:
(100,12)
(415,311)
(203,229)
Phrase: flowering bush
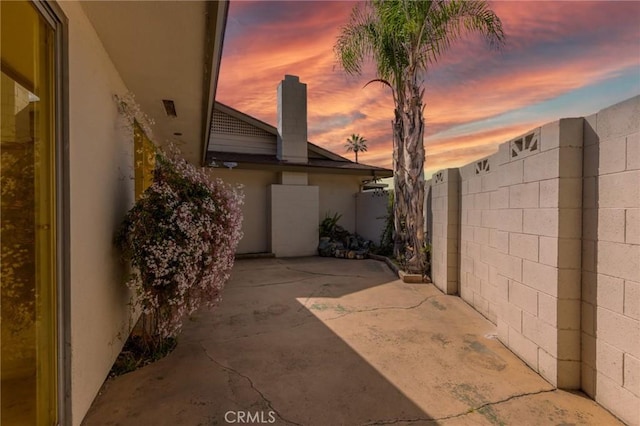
(180,238)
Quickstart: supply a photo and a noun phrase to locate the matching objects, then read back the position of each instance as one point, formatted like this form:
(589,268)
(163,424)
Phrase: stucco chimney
(292,120)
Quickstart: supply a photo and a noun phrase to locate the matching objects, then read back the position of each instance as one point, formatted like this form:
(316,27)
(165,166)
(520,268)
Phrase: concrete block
(590,224)
(613,156)
(548,366)
(609,361)
(633,151)
(548,251)
(619,260)
(504,153)
(568,374)
(550,136)
(511,173)
(571,162)
(481,235)
(632,226)
(560,313)
(591,160)
(589,287)
(588,319)
(589,193)
(483,201)
(569,345)
(569,253)
(524,195)
(490,181)
(464,187)
(524,348)
(563,193)
(541,222)
(475,185)
(588,380)
(503,331)
(619,120)
(589,130)
(540,277)
(513,316)
(509,266)
(588,350)
(569,283)
(619,190)
(500,198)
(618,330)
(466,233)
(502,287)
(490,219)
(524,246)
(488,255)
(570,223)
(589,256)
(539,332)
(511,220)
(611,225)
(567,132)
(617,399)
(474,217)
(545,165)
(611,293)
(632,300)
(523,297)
(481,270)
(632,374)
(499,240)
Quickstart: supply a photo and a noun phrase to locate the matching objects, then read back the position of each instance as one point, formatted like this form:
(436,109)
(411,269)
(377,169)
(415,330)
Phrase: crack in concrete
(248,379)
(383,308)
(272,284)
(324,275)
(455,416)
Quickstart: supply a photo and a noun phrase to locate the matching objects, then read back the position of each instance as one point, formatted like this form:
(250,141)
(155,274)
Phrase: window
(144,159)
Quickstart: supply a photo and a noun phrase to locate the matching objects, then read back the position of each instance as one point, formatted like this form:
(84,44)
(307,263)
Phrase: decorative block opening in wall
(483,166)
(525,145)
(438,177)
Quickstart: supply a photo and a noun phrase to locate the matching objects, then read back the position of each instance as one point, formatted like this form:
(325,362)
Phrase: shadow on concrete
(318,341)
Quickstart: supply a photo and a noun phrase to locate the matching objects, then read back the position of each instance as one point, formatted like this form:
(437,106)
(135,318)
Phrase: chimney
(292,120)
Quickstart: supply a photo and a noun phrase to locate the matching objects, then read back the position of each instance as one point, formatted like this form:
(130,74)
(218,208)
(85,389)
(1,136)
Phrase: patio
(321,341)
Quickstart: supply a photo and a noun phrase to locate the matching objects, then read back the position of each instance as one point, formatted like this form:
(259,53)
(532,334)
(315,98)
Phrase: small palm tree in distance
(356,143)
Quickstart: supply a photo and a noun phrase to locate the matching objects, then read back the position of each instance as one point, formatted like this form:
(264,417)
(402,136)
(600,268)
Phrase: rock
(351,254)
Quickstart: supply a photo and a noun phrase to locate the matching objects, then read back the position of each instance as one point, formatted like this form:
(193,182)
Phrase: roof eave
(217,13)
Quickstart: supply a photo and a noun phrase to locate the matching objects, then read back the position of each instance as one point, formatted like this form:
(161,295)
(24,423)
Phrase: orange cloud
(553,48)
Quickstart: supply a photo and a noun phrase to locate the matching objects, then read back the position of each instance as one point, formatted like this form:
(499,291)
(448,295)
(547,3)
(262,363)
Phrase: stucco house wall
(255,211)
(337,195)
(100,156)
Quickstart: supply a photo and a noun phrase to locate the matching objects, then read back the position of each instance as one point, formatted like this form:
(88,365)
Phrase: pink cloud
(553,48)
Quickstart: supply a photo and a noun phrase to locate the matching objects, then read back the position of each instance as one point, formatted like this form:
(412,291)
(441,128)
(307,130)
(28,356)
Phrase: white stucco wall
(101,191)
(337,195)
(255,224)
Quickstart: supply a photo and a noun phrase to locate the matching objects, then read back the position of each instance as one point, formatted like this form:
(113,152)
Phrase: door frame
(54,15)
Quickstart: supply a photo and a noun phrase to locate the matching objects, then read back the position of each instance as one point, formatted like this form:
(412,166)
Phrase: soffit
(159,50)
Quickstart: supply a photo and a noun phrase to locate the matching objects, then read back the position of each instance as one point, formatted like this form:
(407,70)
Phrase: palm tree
(404,37)
(356,143)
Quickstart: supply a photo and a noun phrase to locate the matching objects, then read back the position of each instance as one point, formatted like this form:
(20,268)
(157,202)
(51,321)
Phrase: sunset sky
(561,59)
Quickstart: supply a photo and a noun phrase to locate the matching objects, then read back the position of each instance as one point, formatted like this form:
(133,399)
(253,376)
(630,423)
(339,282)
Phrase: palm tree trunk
(408,157)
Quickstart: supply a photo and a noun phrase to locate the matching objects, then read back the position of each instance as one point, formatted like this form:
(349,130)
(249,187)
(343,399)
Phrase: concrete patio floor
(317,341)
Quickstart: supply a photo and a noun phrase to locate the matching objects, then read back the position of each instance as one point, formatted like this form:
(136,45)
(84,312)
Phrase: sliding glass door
(28,205)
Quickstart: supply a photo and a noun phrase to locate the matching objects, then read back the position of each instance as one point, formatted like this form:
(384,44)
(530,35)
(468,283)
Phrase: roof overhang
(167,50)
(269,162)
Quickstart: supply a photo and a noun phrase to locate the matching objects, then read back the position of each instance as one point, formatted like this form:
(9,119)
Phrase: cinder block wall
(445,195)
(549,250)
(611,259)
(480,202)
